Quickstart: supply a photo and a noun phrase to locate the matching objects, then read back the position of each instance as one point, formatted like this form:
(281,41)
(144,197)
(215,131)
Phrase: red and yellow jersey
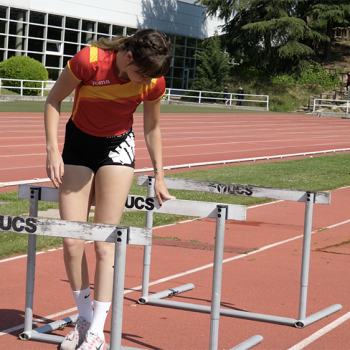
(104,104)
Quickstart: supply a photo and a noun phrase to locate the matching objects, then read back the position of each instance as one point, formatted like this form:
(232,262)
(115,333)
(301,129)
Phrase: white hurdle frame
(308,197)
(120,235)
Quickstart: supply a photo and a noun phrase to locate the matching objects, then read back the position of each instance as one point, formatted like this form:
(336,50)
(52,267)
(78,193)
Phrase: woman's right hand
(55,168)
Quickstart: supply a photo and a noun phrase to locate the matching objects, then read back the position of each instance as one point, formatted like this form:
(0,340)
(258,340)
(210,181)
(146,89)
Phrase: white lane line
(313,337)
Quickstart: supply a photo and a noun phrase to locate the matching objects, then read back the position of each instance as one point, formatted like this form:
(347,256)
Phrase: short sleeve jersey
(104,104)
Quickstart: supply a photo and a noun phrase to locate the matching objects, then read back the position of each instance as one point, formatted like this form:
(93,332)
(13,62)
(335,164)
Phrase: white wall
(170,16)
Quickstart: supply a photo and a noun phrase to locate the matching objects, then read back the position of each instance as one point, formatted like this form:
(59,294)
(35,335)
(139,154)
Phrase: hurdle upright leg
(31,257)
(305,267)
(217,276)
(147,249)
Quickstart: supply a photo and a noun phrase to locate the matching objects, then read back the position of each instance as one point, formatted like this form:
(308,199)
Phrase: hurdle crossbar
(121,235)
(308,197)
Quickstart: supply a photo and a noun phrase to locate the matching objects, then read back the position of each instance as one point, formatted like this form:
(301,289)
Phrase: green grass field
(322,173)
(66,107)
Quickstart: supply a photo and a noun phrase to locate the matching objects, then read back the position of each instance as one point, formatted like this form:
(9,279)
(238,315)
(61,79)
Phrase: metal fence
(332,105)
(197,96)
(20,86)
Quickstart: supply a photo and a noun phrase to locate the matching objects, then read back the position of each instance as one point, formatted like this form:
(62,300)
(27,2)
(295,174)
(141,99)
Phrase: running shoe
(76,336)
(92,342)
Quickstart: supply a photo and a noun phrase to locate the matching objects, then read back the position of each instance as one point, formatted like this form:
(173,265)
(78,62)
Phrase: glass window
(86,38)
(11,54)
(36,57)
(52,61)
(117,30)
(178,72)
(65,60)
(53,73)
(2,26)
(70,49)
(180,40)
(131,31)
(179,51)
(103,28)
(190,52)
(191,42)
(3,11)
(37,17)
(72,23)
(36,31)
(17,14)
(54,47)
(54,33)
(15,43)
(2,41)
(102,36)
(171,37)
(71,36)
(35,45)
(2,56)
(55,20)
(177,83)
(178,61)
(17,28)
(88,26)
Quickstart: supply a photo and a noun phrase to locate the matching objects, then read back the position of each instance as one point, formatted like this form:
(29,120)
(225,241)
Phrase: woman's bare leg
(112,186)
(75,197)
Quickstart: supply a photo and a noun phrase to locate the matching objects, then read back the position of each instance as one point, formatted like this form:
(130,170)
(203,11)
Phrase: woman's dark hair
(151,51)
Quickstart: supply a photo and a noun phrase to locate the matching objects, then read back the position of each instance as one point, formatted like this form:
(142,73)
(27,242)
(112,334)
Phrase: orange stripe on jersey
(69,67)
(93,54)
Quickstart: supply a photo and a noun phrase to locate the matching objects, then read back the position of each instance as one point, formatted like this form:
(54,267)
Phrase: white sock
(101,310)
(83,301)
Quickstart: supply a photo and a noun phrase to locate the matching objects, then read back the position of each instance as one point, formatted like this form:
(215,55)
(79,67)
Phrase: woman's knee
(73,247)
(104,251)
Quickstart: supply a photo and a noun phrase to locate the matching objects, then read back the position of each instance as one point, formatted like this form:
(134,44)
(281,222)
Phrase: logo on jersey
(101,82)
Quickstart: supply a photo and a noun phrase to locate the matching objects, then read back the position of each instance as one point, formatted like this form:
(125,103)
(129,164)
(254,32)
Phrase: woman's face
(135,77)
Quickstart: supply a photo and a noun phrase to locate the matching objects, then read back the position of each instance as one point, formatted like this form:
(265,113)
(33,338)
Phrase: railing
(19,86)
(197,96)
(22,85)
(343,105)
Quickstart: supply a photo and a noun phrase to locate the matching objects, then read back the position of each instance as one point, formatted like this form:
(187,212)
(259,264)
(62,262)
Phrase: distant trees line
(278,36)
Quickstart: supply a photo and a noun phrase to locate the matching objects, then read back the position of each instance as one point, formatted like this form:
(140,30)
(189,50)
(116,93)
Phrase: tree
(23,68)
(331,12)
(214,67)
(267,33)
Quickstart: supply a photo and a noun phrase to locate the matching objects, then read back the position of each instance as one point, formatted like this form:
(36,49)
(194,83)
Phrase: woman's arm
(65,84)
(153,138)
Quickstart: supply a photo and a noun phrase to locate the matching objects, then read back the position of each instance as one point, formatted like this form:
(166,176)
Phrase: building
(52,31)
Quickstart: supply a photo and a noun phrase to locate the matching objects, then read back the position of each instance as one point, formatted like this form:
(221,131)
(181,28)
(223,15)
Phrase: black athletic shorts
(94,152)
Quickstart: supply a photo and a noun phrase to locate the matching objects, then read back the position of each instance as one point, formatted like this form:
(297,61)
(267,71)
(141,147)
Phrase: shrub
(26,68)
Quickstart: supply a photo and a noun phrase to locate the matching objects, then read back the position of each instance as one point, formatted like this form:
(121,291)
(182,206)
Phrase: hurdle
(307,197)
(121,236)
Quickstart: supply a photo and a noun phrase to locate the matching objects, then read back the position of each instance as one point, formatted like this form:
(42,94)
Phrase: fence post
(169,93)
(42,89)
(200,97)
(267,103)
(21,87)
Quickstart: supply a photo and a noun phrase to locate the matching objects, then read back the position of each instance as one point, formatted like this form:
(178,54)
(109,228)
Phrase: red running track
(265,281)
(187,139)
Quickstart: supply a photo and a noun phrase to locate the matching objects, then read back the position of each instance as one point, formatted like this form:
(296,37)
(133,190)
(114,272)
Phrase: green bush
(26,68)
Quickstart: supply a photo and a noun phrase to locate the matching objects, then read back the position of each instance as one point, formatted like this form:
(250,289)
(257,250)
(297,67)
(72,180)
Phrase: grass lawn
(322,173)
(66,107)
